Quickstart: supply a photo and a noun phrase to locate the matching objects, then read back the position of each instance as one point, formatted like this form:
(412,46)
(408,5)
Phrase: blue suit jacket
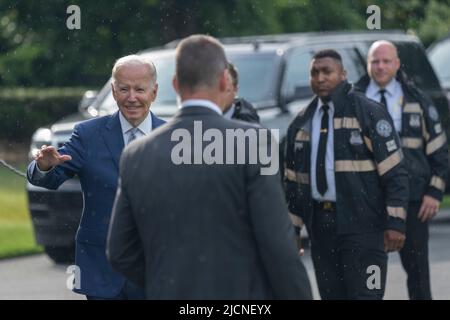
(95,147)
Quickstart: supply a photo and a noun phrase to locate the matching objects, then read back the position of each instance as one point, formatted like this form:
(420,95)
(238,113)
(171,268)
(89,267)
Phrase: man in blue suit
(93,153)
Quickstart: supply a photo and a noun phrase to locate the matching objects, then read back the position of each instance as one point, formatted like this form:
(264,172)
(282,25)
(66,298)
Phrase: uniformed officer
(238,108)
(425,148)
(346,181)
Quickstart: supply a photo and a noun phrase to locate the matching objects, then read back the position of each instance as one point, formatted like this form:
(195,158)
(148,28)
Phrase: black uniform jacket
(370,174)
(423,140)
(244,111)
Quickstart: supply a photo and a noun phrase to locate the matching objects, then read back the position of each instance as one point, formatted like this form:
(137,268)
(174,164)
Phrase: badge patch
(438,128)
(391,145)
(355,138)
(433,113)
(414,120)
(383,128)
(298,146)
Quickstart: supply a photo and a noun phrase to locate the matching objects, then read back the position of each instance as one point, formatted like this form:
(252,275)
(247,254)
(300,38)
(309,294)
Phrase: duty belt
(325,205)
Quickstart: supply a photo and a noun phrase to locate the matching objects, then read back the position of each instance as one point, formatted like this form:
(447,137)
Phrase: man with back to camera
(425,147)
(238,108)
(93,153)
(346,181)
(204,231)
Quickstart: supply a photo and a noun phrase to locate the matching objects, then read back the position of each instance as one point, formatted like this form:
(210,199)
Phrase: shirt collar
(145,127)
(201,103)
(230,112)
(374,88)
(320,104)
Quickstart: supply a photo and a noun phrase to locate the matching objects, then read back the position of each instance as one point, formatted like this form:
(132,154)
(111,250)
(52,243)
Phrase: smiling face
(382,63)
(326,74)
(134,91)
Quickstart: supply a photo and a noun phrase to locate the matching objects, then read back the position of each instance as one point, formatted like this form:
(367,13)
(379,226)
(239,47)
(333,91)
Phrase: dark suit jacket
(193,231)
(95,147)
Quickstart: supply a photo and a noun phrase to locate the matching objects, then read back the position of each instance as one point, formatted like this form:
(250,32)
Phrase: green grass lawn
(16,231)
(446,202)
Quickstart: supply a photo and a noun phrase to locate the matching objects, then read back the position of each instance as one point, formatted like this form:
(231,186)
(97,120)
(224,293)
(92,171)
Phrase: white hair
(134,59)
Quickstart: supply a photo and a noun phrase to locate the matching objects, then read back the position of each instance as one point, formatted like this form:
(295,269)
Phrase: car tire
(62,254)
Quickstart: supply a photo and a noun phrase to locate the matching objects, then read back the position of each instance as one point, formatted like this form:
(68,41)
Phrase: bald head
(382,62)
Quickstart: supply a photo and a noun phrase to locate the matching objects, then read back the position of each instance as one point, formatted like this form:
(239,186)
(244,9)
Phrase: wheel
(61,255)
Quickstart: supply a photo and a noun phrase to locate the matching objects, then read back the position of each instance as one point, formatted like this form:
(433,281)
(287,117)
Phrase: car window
(296,76)
(439,58)
(415,63)
(352,63)
(257,75)
(257,79)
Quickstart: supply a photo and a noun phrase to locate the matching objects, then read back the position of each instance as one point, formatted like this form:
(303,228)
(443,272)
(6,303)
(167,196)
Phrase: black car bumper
(56,214)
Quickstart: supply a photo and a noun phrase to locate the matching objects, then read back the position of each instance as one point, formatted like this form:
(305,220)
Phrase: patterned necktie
(383,97)
(321,178)
(132,134)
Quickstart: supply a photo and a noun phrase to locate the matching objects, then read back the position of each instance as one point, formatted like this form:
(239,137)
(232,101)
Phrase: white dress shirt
(330,194)
(229,113)
(201,103)
(142,130)
(394,99)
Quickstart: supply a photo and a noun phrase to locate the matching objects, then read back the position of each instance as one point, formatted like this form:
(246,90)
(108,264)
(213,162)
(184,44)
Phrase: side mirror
(85,103)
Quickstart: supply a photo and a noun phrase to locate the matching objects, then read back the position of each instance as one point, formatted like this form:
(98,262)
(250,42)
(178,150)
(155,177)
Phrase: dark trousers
(129,292)
(414,255)
(344,264)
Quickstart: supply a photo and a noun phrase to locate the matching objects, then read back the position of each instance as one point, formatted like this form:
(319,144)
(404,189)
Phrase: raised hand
(48,157)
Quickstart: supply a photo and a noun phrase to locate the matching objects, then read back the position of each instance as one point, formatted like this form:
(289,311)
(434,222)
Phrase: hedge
(22,111)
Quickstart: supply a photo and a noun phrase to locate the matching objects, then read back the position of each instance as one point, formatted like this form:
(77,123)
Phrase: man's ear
(225,81)
(175,84)
(113,91)
(344,75)
(397,64)
(155,91)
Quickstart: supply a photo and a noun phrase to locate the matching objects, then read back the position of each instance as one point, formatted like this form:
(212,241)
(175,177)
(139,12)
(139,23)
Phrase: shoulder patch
(383,128)
(433,113)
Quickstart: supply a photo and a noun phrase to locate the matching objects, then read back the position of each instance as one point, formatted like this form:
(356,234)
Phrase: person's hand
(48,157)
(393,240)
(301,251)
(429,208)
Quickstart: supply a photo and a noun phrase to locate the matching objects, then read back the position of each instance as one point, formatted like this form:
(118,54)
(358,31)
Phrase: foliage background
(37,49)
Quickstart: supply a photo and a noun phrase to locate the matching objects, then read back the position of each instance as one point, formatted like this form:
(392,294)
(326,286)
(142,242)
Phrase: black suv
(274,76)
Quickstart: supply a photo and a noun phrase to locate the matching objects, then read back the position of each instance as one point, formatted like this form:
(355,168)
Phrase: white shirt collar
(201,103)
(320,104)
(145,127)
(230,112)
(373,88)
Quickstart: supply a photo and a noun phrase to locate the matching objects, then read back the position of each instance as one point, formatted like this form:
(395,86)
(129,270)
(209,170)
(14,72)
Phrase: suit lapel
(156,122)
(112,134)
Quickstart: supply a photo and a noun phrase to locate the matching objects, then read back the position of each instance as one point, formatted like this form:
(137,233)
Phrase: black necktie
(383,98)
(321,178)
